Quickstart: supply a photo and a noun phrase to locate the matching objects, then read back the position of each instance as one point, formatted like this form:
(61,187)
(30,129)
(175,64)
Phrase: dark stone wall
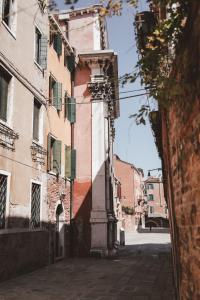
(23,252)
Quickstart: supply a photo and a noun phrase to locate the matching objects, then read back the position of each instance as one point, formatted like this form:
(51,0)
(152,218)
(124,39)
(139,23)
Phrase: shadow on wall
(23,250)
(82,206)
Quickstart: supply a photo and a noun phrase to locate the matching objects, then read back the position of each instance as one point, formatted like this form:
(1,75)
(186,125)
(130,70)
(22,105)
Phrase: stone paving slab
(142,271)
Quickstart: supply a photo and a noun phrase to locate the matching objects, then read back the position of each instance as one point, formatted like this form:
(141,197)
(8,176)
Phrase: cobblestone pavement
(142,271)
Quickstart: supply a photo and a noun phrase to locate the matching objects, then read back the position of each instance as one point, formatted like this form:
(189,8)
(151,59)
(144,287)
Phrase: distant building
(131,180)
(157,212)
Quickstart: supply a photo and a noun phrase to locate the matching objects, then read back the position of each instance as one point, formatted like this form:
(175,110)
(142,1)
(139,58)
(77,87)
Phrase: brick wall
(181,149)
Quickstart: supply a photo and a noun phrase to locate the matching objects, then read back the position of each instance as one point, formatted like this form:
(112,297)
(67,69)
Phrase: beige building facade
(23,189)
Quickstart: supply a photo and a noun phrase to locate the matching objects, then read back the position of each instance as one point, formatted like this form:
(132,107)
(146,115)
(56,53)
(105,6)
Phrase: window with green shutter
(70,162)
(71,62)
(55,93)
(54,149)
(57,44)
(71,114)
(41,44)
(66,105)
(150,197)
(57,156)
(5,79)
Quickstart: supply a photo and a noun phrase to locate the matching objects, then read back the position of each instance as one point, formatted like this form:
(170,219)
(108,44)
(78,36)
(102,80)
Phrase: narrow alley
(142,271)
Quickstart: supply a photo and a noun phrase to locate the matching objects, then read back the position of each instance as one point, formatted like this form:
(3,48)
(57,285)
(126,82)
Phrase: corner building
(97,106)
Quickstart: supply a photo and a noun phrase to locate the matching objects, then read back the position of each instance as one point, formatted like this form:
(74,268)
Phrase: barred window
(3,195)
(35,205)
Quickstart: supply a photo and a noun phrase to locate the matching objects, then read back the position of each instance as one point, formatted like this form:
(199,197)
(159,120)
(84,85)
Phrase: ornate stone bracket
(100,88)
(38,153)
(7,137)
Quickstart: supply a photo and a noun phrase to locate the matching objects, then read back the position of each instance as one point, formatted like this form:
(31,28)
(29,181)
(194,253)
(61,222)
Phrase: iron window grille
(3,196)
(35,205)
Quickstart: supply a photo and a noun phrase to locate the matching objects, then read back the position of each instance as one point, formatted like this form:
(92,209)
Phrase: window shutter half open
(59,45)
(73,110)
(59,100)
(71,62)
(49,152)
(73,164)
(57,156)
(57,95)
(68,161)
(43,52)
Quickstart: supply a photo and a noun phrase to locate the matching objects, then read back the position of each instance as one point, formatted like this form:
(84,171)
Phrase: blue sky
(134,144)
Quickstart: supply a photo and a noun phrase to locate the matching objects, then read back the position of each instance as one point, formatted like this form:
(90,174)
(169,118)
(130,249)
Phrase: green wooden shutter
(71,110)
(59,101)
(66,105)
(49,152)
(57,44)
(71,62)
(43,52)
(68,161)
(57,156)
(57,95)
(73,163)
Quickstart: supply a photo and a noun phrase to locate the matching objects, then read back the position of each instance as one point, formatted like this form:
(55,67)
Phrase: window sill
(9,30)
(5,123)
(53,173)
(39,67)
(37,143)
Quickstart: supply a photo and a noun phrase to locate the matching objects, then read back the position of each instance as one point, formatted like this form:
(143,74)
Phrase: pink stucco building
(131,190)
(157,211)
(97,106)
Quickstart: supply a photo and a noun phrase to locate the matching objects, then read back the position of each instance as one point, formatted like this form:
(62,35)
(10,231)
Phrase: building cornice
(54,22)
(104,58)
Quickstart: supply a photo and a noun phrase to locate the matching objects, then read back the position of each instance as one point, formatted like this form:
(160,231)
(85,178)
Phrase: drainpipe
(72,147)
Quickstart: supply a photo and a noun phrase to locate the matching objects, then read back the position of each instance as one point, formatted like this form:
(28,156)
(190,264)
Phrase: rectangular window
(150,197)
(36,120)
(151,209)
(150,186)
(35,205)
(3,196)
(41,44)
(55,93)
(57,43)
(70,162)
(5,79)
(8,13)
(38,37)
(54,155)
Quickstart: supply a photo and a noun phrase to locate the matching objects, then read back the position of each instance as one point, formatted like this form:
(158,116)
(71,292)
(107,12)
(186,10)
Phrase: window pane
(36,116)
(35,205)
(6,11)
(4,82)
(37,45)
(3,193)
